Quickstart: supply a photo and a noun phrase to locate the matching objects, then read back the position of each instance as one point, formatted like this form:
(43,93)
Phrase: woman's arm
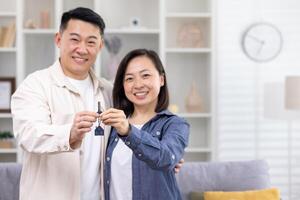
(161,150)
(158,153)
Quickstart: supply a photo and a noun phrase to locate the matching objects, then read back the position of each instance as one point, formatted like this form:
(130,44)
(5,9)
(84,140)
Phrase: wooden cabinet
(181,31)
(188,53)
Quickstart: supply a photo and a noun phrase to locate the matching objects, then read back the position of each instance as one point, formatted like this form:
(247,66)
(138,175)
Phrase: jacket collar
(165,112)
(60,79)
(161,113)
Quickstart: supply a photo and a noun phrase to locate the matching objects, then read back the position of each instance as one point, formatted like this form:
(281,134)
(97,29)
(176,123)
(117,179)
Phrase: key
(99,130)
(99,108)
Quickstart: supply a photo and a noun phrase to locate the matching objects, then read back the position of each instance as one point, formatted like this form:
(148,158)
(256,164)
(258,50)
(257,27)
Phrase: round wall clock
(262,42)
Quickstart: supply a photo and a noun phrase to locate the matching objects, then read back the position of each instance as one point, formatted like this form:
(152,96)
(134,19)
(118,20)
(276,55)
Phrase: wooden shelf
(188,15)
(198,150)
(132,31)
(5,115)
(195,115)
(5,151)
(39,31)
(157,29)
(188,50)
(8,14)
(8,49)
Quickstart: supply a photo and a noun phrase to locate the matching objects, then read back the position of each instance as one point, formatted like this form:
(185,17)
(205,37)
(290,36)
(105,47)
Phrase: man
(55,108)
(54,111)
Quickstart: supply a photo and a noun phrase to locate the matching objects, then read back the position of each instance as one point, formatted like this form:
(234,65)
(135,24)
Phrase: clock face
(262,42)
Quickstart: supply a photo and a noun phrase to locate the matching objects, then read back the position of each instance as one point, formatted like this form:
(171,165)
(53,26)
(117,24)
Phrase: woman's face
(142,82)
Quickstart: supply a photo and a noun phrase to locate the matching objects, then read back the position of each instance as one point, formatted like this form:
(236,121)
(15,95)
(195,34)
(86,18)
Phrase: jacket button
(128,143)
(108,158)
(139,154)
(173,157)
(107,182)
(157,133)
(116,139)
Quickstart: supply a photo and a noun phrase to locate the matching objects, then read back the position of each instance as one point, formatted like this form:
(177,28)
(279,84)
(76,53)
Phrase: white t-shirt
(121,171)
(90,148)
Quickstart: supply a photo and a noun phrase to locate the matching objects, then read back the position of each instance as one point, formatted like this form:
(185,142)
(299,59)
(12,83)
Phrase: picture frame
(7,88)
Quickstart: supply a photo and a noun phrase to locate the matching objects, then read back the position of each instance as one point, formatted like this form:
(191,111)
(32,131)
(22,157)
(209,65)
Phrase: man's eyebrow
(93,37)
(74,34)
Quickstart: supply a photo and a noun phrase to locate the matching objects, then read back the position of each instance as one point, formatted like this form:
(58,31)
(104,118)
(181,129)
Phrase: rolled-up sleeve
(160,150)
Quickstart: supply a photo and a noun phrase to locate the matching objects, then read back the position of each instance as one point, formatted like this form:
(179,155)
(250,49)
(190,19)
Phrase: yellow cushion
(267,194)
(196,196)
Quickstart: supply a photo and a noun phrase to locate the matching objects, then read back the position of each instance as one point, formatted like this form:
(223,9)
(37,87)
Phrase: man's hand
(117,119)
(178,166)
(82,123)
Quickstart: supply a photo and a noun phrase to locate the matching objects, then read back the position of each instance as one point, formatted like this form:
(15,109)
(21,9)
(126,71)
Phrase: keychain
(99,130)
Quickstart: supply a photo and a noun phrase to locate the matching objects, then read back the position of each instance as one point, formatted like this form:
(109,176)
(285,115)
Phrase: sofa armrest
(10,180)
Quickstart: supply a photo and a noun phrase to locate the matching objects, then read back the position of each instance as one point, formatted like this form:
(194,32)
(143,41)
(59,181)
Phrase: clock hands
(261,42)
(256,39)
(260,48)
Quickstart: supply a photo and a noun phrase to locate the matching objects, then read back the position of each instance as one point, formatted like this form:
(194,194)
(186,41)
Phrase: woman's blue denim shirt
(156,148)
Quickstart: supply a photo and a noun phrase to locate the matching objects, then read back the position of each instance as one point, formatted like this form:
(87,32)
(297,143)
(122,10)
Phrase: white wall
(244,130)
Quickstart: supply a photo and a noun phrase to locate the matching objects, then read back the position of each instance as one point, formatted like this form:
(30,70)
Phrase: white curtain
(246,127)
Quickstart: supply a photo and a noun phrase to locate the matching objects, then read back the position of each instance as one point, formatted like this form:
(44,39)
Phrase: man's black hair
(84,14)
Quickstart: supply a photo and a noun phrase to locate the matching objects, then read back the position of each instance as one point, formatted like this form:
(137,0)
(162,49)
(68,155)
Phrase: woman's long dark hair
(120,100)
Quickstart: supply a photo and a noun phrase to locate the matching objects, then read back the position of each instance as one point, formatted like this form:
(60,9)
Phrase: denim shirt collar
(165,112)
(159,114)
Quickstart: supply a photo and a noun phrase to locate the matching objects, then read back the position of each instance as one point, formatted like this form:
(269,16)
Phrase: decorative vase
(189,36)
(193,101)
(30,24)
(45,19)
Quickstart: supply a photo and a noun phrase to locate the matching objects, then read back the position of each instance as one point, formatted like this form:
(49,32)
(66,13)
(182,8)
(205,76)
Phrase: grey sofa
(10,181)
(197,176)
(223,176)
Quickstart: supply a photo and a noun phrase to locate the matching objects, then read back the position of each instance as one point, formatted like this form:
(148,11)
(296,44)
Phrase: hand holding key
(117,119)
(82,124)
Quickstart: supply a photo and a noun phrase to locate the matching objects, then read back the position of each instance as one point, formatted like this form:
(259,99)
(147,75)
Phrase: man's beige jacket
(43,109)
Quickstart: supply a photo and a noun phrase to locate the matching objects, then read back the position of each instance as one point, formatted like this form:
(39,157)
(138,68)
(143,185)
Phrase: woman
(146,141)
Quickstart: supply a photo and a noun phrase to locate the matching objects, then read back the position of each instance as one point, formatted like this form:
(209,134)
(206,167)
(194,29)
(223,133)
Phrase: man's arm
(178,166)
(83,121)
(37,129)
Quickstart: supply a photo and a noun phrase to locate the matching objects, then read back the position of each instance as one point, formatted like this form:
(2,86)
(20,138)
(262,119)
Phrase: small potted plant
(6,140)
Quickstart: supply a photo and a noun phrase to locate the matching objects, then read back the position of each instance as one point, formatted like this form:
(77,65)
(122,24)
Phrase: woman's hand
(117,119)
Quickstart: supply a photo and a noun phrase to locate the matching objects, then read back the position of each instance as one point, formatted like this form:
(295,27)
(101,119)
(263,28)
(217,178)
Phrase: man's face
(79,45)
